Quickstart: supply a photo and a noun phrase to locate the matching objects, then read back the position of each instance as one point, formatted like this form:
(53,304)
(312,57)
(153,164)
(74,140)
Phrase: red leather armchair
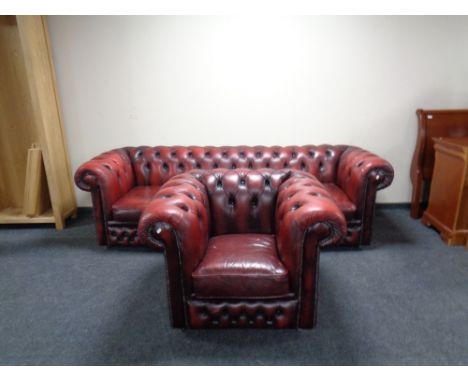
(242,246)
(123,182)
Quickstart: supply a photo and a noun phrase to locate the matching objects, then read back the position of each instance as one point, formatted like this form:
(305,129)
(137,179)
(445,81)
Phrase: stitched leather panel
(241,266)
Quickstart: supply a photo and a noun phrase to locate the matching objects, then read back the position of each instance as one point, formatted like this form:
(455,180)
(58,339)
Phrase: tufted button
(242,154)
(258,154)
(295,207)
(207,154)
(254,201)
(242,182)
(157,154)
(224,154)
(294,154)
(190,154)
(312,153)
(165,166)
(173,154)
(183,207)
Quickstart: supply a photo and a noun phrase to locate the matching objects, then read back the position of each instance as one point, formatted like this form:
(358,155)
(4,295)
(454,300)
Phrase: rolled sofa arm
(110,175)
(359,169)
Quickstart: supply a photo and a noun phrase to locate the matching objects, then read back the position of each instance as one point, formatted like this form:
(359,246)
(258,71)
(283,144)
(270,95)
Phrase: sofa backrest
(156,165)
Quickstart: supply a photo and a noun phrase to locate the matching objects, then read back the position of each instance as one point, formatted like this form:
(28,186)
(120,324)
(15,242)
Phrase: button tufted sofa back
(156,165)
(242,200)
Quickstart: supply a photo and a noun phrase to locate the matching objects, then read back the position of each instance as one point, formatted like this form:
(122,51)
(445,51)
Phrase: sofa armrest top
(356,167)
(104,169)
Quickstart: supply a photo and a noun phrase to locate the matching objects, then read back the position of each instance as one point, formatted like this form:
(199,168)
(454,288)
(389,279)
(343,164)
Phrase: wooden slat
(36,193)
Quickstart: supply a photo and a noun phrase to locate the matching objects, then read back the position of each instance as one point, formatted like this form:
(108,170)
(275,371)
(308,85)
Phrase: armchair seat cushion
(341,199)
(129,207)
(241,266)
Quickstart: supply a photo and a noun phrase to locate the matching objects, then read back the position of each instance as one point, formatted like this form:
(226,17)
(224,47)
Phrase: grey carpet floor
(66,301)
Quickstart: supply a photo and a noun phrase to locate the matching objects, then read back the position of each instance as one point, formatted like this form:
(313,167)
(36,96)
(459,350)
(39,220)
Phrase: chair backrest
(156,165)
(242,200)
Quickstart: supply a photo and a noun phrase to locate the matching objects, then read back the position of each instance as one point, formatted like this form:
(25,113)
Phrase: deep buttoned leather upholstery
(261,268)
(357,173)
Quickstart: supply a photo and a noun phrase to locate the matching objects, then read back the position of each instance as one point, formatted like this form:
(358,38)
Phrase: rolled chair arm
(306,218)
(359,169)
(180,212)
(304,205)
(178,221)
(109,174)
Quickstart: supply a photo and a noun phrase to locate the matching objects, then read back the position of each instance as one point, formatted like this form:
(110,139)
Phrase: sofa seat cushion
(341,199)
(241,266)
(130,206)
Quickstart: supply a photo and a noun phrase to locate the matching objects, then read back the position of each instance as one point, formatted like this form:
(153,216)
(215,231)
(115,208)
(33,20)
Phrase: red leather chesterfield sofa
(242,246)
(123,182)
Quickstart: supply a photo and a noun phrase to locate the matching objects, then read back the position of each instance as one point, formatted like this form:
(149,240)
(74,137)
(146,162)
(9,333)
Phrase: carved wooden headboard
(432,124)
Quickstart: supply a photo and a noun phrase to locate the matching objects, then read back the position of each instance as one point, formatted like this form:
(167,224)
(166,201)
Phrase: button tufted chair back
(242,200)
(155,165)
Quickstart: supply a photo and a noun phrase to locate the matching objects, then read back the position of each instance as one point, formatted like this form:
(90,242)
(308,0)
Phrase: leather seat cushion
(241,266)
(341,199)
(130,206)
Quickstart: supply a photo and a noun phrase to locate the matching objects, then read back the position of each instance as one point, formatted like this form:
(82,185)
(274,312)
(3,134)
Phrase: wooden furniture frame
(431,124)
(30,114)
(447,210)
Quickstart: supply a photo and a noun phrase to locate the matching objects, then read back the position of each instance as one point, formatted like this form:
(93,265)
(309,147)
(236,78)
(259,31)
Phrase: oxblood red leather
(130,206)
(341,199)
(249,262)
(302,216)
(356,172)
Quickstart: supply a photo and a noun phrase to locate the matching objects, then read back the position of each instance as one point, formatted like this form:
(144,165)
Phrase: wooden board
(36,192)
(17,129)
(16,216)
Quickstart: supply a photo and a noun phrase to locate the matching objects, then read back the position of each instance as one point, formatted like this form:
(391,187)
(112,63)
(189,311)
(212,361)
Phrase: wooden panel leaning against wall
(35,175)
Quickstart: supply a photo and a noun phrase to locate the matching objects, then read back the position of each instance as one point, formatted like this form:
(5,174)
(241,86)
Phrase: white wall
(252,80)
